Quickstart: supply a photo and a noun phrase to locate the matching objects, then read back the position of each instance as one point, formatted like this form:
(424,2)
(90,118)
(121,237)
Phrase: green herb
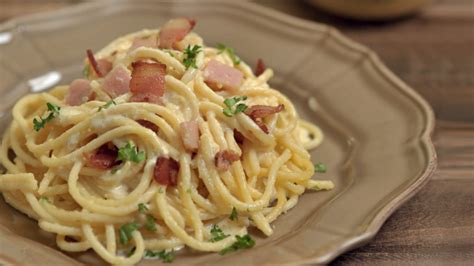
(230,51)
(217,234)
(129,152)
(233,214)
(53,112)
(242,242)
(150,223)
(44,199)
(231,102)
(160,190)
(107,105)
(190,54)
(86,71)
(169,52)
(320,168)
(163,255)
(125,232)
(142,208)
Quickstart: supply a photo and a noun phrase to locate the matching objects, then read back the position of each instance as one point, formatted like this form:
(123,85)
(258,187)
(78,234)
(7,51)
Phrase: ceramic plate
(377,145)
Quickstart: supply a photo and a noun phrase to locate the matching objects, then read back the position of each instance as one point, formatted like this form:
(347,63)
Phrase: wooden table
(434,53)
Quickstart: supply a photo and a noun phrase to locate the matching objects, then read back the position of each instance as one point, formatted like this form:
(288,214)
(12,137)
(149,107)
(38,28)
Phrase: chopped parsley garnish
(125,232)
(231,102)
(86,71)
(142,208)
(190,54)
(230,51)
(150,223)
(233,214)
(320,168)
(217,234)
(107,105)
(129,152)
(163,255)
(242,242)
(44,199)
(53,112)
(170,53)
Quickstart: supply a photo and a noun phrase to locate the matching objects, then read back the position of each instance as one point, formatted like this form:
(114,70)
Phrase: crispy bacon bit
(93,63)
(148,82)
(117,82)
(219,76)
(189,132)
(260,67)
(174,31)
(202,189)
(104,158)
(79,92)
(258,112)
(149,125)
(225,158)
(166,171)
(239,137)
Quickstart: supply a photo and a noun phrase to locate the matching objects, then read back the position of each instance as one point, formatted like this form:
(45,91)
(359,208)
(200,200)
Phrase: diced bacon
(219,76)
(151,43)
(93,63)
(258,112)
(148,81)
(189,132)
(174,31)
(104,66)
(262,111)
(149,125)
(239,137)
(260,67)
(117,82)
(166,171)
(104,158)
(225,158)
(79,92)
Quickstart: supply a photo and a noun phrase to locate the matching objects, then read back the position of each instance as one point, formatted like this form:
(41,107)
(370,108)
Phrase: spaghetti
(120,164)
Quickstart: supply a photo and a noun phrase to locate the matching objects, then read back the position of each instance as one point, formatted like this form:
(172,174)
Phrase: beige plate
(377,145)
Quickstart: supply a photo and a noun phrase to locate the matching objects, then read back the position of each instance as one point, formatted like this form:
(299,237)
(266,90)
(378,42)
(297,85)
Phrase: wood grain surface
(432,51)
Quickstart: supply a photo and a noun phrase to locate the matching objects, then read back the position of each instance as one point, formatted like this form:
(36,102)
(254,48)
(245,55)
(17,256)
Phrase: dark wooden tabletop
(434,53)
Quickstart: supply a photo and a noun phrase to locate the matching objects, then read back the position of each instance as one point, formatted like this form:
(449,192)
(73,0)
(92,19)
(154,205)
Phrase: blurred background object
(371,9)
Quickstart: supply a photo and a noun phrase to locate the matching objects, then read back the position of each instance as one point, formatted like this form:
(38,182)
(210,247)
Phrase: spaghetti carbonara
(164,143)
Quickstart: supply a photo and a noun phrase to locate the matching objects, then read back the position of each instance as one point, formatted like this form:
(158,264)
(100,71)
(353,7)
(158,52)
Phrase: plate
(377,145)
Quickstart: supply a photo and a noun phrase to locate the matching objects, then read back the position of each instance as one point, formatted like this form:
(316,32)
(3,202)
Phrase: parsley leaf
(44,199)
(107,105)
(230,51)
(231,102)
(125,232)
(150,223)
(242,242)
(53,112)
(86,71)
(142,208)
(166,257)
(233,214)
(129,152)
(217,234)
(320,168)
(190,54)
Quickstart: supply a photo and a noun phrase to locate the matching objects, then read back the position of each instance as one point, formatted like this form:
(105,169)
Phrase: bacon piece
(104,158)
(149,125)
(117,82)
(239,137)
(104,66)
(189,132)
(93,63)
(166,171)
(148,81)
(258,112)
(174,31)
(219,76)
(260,67)
(225,158)
(79,92)
(140,42)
